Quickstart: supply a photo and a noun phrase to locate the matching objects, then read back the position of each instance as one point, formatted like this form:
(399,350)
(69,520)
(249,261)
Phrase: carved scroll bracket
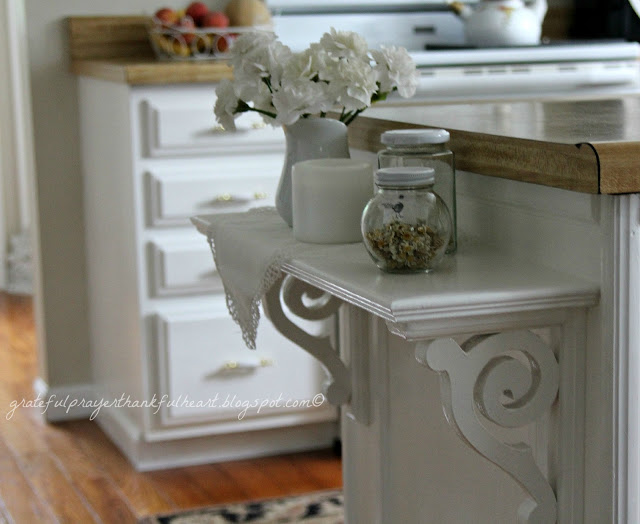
(309,303)
(509,379)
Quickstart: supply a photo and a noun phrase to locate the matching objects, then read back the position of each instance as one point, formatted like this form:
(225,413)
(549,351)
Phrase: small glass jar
(406,227)
(425,148)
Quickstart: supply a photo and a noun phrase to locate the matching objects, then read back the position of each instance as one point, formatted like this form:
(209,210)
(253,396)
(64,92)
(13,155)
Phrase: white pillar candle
(329,195)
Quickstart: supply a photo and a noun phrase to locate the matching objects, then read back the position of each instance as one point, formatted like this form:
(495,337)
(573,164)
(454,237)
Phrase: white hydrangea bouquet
(338,73)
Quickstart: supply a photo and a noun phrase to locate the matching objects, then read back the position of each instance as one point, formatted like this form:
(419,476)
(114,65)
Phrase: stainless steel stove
(435,38)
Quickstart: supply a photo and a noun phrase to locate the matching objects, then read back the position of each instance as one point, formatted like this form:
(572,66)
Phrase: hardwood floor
(71,473)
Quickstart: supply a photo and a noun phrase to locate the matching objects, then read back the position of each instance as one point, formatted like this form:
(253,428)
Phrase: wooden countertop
(141,71)
(591,146)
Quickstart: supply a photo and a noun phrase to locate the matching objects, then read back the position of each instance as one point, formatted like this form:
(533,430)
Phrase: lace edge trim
(272,273)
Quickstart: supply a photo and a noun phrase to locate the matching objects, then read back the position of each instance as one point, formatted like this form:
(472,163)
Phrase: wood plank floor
(71,473)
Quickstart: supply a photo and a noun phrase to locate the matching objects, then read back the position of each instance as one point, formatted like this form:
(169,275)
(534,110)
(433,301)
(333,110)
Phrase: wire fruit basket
(198,43)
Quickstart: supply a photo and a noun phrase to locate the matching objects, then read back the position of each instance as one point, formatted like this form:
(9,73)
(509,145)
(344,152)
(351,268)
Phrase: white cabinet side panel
(434,475)
(111,240)
(363,467)
(633,443)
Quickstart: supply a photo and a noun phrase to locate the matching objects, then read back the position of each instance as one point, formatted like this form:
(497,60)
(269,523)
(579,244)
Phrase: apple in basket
(197,11)
(217,19)
(167,16)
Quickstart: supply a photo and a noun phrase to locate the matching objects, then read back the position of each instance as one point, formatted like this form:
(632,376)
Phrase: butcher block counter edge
(150,72)
(608,167)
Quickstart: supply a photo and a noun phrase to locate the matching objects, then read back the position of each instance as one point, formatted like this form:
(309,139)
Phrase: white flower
(263,101)
(308,64)
(300,66)
(278,56)
(245,58)
(344,44)
(226,105)
(248,42)
(352,83)
(395,69)
(284,86)
(298,98)
(258,56)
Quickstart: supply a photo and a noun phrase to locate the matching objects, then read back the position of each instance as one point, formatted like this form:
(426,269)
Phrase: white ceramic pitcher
(499,23)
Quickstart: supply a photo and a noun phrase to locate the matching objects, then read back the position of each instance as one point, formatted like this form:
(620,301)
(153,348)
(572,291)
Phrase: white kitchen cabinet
(181,265)
(152,157)
(173,194)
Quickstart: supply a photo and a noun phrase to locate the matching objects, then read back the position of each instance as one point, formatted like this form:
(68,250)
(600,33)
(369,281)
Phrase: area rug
(325,507)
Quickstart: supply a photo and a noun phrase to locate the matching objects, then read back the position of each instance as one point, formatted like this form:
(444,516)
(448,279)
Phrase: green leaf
(243,107)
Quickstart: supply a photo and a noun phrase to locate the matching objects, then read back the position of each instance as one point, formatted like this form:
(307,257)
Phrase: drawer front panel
(174,197)
(204,360)
(180,267)
(178,127)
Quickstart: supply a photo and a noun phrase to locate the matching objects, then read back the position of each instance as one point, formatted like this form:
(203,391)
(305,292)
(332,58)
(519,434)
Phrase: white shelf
(475,281)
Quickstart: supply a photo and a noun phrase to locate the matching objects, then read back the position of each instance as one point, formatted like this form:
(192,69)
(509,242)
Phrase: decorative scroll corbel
(509,379)
(309,303)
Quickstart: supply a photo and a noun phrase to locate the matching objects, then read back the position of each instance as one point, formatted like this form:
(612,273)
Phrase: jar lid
(404,176)
(406,137)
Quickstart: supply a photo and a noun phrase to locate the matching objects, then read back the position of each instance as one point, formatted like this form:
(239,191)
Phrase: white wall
(3,227)
(16,154)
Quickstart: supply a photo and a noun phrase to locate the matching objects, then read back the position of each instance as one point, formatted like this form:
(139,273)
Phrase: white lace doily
(247,264)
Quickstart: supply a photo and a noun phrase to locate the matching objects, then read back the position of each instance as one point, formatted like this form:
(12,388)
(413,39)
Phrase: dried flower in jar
(405,246)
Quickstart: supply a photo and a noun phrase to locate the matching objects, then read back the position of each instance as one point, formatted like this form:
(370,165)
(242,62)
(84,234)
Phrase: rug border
(153,519)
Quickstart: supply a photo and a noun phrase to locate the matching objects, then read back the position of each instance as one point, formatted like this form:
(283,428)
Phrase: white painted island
(502,388)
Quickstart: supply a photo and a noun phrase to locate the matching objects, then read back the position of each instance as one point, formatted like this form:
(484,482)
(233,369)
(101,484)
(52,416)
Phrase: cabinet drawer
(182,266)
(203,360)
(187,126)
(174,197)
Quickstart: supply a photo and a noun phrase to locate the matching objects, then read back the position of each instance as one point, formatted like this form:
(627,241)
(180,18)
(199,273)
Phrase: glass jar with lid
(425,148)
(406,227)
